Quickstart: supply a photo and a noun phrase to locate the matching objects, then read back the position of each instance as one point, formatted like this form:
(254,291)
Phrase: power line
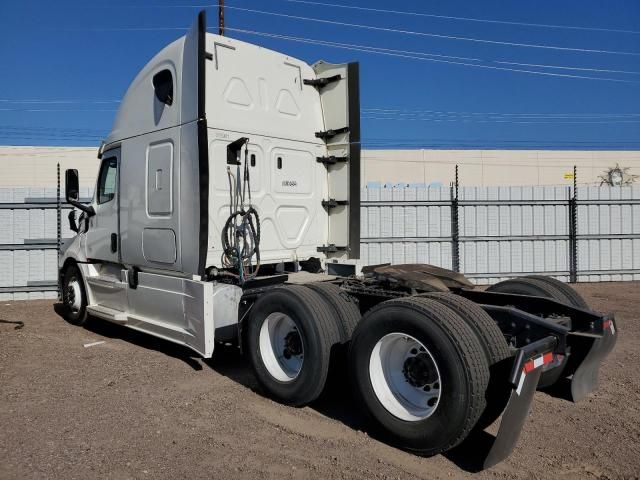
(54,110)
(488,117)
(48,133)
(499,145)
(468,143)
(608,122)
(434,35)
(42,151)
(503,62)
(466,19)
(563,67)
(41,128)
(49,101)
(408,52)
(506,141)
(508,114)
(384,111)
(116,29)
(390,52)
(399,12)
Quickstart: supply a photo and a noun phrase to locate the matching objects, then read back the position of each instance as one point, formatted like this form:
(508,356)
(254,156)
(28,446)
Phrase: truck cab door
(103,242)
(338,86)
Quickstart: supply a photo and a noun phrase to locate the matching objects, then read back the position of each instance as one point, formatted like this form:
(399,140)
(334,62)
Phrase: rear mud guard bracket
(585,375)
(525,375)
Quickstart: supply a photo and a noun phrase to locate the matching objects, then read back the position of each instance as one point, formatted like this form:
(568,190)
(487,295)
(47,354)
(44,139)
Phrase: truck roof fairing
(141,112)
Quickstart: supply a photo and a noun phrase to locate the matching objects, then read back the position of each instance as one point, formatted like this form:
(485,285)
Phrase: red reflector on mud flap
(531,365)
(609,324)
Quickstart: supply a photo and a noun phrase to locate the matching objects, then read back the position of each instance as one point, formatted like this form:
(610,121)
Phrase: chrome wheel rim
(73,295)
(281,347)
(405,377)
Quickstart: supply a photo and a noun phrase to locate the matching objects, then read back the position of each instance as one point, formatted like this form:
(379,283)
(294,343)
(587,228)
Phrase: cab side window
(107,180)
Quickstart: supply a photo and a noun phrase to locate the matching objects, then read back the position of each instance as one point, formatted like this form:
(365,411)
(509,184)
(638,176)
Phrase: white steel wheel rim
(405,377)
(281,347)
(73,295)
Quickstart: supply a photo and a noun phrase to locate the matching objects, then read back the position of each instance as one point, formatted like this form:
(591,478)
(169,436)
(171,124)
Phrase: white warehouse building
(36,166)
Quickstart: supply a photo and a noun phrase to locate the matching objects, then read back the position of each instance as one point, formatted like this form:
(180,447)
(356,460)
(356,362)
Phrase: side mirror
(163,86)
(72,191)
(71,184)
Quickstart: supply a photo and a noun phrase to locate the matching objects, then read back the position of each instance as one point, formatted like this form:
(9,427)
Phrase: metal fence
(33,222)
(488,233)
(492,233)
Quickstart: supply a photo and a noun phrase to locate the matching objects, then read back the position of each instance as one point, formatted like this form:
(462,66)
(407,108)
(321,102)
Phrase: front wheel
(74,297)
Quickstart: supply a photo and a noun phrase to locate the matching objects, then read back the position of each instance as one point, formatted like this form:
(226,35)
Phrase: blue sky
(66,64)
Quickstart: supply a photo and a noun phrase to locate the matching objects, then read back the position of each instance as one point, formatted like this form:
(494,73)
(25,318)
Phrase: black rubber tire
(345,307)
(495,347)
(529,286)
(574,297)
(459,357)
(490,336)
(319,332)
(80,317)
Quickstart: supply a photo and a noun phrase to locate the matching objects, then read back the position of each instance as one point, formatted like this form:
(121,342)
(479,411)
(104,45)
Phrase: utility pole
(221,17)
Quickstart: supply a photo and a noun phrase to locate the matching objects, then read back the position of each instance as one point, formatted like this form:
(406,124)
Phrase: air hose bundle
(241,231)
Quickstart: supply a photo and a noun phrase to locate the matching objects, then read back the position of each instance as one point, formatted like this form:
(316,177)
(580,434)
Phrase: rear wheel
(74,297)
(574,297)
(495,347)
(530,286)
(289,336)
(345,307)
(541,287)
(418,369)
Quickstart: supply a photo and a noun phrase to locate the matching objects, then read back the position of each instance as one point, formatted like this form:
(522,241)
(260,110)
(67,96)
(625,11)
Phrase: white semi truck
(228,165)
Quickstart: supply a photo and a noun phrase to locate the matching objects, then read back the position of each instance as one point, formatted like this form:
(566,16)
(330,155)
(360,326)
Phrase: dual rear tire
(419,366)
(421,372)
(293,334)
(541,286)
(427,369)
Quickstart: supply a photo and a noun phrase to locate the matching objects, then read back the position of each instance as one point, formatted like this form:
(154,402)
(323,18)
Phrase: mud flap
(512,420)
(588,351)
(524,378)
(594,350)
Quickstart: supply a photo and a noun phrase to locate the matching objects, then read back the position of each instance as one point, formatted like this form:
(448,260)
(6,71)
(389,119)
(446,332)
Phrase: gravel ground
(137,407)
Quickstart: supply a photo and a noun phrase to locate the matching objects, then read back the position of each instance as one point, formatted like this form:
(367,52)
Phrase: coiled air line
(241,231)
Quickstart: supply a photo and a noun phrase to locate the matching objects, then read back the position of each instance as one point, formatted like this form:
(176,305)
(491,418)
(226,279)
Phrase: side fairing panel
(179,310)
(341,110)
(194,168)
(189,198)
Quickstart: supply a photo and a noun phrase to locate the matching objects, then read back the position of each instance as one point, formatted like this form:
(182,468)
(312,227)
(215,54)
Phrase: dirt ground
(138,407)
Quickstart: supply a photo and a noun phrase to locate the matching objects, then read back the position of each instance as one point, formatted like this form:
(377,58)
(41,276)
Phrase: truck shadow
(336,401)
(114,331)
